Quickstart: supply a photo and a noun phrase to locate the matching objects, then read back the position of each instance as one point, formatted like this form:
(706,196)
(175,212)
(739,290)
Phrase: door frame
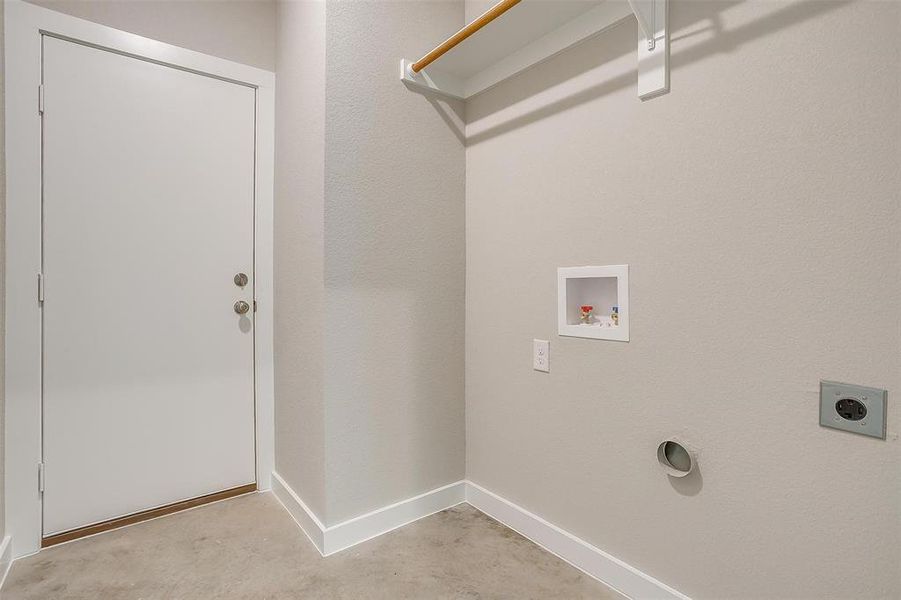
(25,24)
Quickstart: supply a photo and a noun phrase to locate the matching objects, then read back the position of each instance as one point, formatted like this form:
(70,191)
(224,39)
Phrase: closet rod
(490,15)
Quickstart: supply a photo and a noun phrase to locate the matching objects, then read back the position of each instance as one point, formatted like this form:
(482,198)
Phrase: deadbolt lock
(241,307)
(241,280)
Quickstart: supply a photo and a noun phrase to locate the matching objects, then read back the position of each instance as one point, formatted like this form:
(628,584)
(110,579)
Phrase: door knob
(241,307)
(241,280)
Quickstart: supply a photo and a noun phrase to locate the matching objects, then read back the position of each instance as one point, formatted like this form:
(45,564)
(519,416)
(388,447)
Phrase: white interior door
(148,216)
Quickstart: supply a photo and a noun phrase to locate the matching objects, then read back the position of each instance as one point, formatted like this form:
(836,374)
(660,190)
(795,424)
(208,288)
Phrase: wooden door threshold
(146,515)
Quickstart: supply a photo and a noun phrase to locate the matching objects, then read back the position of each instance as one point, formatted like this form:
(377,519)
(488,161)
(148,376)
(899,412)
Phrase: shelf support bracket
(645,15)
(653,47)
(434,81)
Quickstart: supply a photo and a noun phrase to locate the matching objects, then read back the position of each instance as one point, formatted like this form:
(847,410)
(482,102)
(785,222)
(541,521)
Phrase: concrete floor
(249,547)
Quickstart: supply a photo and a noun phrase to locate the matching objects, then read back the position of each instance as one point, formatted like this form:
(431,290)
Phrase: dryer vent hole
(677,456)
(851,409)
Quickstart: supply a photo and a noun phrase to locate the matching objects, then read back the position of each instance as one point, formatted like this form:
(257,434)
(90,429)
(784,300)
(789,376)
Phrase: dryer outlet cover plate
(853,408)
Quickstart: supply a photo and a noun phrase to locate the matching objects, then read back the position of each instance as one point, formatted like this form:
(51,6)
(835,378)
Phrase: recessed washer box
(606,290)
(853,408)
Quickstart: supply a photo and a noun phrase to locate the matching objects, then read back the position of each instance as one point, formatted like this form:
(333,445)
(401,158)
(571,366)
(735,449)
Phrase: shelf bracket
(645,15)
(653,47)
(433,81)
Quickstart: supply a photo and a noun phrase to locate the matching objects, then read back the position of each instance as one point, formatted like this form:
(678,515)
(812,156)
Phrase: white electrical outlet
(541,356)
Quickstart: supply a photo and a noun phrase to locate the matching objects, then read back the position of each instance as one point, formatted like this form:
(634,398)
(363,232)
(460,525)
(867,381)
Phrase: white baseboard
(6,559)
(365,527)
(590,560)
(593,561)
(341,536)
(304,517)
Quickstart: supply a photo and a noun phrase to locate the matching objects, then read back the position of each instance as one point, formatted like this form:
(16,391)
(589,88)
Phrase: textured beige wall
(394,261)
(369,259)
(299,225)
(238,30)
(758,207)
(2,275)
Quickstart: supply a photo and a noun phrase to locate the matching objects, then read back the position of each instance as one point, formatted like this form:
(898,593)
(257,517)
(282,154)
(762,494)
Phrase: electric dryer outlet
(853,408)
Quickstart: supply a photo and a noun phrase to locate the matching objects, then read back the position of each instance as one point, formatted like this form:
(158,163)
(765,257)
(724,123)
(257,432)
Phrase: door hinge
(41,99)
(40,288)
(41,477)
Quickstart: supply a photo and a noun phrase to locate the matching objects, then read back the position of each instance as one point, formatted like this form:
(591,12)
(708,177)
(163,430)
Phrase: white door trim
(24,25)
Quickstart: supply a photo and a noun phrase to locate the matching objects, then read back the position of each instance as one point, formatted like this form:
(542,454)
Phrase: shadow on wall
(688,21)
(452,113)
(690,485)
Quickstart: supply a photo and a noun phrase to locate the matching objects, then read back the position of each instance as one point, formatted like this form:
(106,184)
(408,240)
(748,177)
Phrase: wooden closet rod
(490,15)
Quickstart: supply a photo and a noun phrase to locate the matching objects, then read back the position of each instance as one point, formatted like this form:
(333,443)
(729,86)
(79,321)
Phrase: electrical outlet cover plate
(869,421)
(541,356)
